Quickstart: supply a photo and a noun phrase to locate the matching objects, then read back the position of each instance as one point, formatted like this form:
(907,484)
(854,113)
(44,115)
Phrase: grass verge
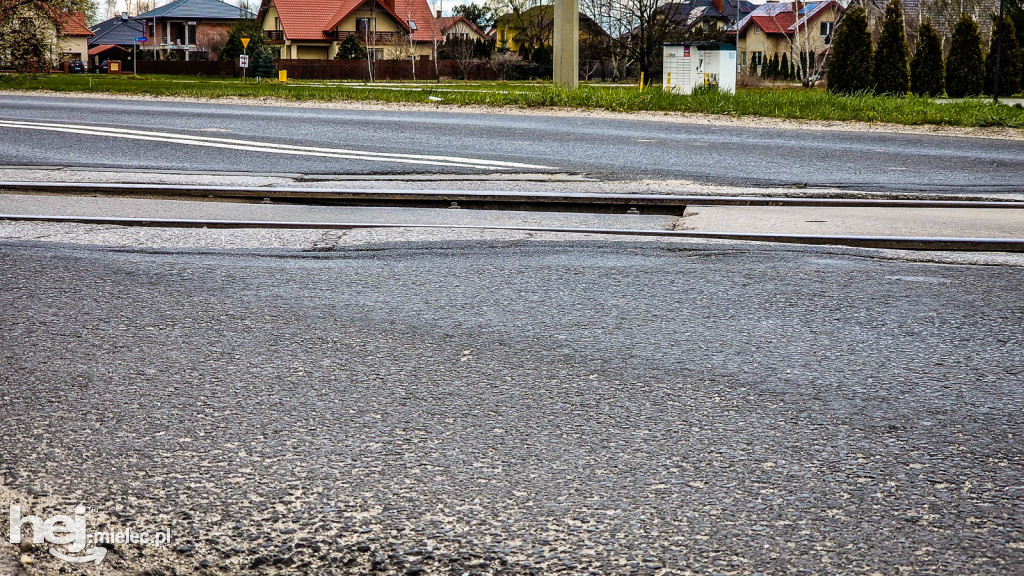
(779,103)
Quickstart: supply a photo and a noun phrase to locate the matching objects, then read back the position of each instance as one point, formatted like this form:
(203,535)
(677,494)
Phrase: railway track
(488,200)
(653,204)
(891,242)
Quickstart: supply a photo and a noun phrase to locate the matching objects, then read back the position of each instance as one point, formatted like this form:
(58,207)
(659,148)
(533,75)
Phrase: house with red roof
(459,27)
(305,29)
(74,41)
(791,28)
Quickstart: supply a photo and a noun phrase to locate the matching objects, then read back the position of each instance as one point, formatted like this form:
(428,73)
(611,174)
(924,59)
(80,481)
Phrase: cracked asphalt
(506,407)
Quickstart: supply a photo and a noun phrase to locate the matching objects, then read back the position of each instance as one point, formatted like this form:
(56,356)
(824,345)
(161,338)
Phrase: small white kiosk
(690,65)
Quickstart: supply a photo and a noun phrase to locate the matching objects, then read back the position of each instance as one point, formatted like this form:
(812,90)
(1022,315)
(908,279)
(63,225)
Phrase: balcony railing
(274,36)
(364,37)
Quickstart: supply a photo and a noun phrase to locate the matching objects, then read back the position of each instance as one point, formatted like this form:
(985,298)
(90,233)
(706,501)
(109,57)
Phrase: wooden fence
(385,70)
(190,68)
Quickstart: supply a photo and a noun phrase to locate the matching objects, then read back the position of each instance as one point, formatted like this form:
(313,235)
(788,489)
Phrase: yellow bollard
(282,76)
(641,80)
(668,88)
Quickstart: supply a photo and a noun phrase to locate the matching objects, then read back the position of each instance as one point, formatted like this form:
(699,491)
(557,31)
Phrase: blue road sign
(142,39)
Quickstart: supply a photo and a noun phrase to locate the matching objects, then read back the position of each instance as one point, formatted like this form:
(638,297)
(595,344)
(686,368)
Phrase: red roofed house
(787,28)
(459,27)
(70,42)
(74,45)
(315,28)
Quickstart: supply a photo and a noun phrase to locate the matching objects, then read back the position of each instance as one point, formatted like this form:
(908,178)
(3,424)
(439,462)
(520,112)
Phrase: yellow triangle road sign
(245,42)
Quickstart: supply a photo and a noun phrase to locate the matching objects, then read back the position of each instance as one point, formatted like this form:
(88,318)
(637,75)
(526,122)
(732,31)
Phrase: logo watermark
(81,545)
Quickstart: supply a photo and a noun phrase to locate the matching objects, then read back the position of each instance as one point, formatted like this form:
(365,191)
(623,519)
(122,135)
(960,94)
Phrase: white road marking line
(269,147)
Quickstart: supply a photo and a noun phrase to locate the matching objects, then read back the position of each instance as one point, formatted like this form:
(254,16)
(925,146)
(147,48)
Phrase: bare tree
(530,23)
(464,52)
(136,7)
(504,62)
(212,42)
(435,38)
(397,47)
(944,15)
(644,26)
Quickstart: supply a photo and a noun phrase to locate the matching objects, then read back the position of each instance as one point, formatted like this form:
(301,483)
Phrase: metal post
(736,84)
(135,58)
(567,43)
(999,52)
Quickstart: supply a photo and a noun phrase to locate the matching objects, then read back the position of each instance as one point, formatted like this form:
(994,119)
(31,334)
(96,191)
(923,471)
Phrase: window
(826,28)
(757,29)
(363,25)
(743,58)
(412,25)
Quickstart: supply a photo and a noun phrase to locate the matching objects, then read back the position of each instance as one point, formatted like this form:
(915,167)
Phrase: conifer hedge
(891,74)
(850,68)
(964,66)
(926,69)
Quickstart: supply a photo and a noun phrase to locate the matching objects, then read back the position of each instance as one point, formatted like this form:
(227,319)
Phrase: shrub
(262,65)
(850,68)
(891,74)
(350,49)
(926,70)
(541,56)
(1009,61)
(964,72)
(785,72)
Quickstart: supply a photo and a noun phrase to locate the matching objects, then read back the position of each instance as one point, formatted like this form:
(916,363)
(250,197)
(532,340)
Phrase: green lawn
(809,104)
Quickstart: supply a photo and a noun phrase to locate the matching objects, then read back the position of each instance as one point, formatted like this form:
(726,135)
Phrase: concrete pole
(567,43)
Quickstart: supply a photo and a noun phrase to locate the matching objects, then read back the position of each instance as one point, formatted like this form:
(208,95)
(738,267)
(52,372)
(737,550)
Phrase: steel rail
(891,242)
(652,204)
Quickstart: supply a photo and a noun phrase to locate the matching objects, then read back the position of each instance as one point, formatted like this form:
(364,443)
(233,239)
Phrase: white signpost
(243,60)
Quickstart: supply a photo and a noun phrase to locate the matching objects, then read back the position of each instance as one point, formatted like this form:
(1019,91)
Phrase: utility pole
(999,53)
(567,43)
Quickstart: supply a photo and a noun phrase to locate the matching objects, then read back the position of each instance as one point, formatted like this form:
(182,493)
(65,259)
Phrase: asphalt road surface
(140,135)
(498,407)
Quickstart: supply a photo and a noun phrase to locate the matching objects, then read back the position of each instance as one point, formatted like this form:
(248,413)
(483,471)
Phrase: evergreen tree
(262,63)
(964,71)
(243,28)
(773,67)
(1009,62)
(786,72)
(850,68)
(926,72)
(891,74)
(350,49)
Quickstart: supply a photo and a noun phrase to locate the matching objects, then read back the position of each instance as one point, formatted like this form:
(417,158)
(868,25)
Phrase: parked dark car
(76,67)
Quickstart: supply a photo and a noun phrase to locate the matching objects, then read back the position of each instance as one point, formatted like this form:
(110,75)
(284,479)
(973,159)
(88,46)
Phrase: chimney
(438,13)
(719,5)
